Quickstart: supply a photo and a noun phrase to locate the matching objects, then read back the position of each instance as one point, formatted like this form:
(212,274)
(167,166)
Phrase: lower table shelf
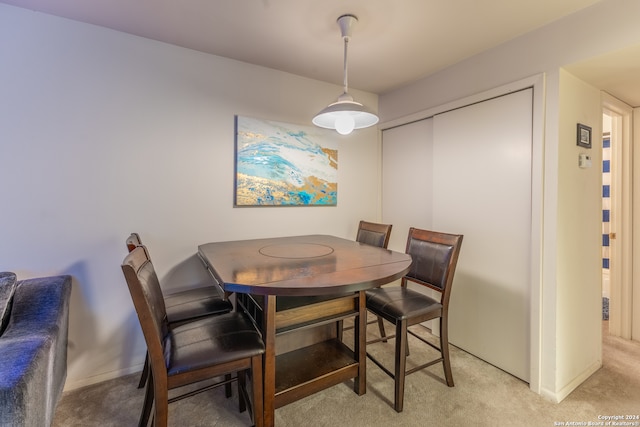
(307,370)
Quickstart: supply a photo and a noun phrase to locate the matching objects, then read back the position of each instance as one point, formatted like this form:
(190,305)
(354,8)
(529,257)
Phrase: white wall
(103,133)
(579,276)
(577,37)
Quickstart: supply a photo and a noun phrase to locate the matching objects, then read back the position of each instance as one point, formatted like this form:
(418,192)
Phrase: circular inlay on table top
(296,250)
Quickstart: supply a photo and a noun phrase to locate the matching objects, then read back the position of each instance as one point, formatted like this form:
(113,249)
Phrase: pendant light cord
(346,43)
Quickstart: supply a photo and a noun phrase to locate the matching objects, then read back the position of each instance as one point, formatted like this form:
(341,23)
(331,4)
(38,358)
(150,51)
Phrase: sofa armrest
(33,350)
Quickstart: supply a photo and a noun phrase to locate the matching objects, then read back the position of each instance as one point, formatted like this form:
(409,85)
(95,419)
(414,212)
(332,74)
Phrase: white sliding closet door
(468,171)
(482,189)
(407,179)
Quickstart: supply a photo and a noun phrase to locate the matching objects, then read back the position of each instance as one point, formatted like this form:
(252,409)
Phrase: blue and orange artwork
(279,164)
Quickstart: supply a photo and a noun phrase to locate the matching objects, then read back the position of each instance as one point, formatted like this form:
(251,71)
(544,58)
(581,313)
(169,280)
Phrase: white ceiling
(617,73)
(394,42)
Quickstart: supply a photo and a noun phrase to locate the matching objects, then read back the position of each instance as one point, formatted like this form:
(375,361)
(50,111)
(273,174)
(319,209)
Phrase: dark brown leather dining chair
(192,352)
(434,257)
(374,234)
(186,306)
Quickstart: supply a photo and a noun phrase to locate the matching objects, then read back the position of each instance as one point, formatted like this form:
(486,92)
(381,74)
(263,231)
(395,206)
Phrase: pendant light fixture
(345,114)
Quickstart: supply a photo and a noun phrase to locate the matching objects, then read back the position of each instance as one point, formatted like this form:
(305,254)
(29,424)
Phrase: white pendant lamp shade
(345,114)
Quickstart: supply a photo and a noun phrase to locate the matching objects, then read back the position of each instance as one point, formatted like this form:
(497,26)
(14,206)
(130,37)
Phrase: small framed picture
(584,136)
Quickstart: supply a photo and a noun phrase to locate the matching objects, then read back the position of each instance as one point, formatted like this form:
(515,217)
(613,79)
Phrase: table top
(302,265)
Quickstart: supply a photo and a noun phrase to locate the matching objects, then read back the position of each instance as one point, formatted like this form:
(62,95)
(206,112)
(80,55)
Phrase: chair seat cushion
(210,341)
(195,303)
(396,303)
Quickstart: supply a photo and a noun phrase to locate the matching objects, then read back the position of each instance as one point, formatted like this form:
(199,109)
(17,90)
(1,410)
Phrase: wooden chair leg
(147,405)
(408,353)
(242,387)
(257,391)
(145,372)
(161,404)
(340,326)
(400,364)
(227,386)
(383,334)
(444,349)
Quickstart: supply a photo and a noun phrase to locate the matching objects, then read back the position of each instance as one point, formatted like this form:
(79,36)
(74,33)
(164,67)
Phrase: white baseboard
(565,391)
(83,382)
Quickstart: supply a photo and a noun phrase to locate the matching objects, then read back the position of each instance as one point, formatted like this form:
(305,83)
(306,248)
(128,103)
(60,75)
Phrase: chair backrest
(148,301)
(434,256)
(374,234)
(133,241)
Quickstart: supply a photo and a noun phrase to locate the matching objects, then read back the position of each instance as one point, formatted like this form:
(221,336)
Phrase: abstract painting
(279,164)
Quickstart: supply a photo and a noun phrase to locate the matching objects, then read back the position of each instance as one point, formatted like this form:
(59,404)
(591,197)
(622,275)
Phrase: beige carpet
(483,396)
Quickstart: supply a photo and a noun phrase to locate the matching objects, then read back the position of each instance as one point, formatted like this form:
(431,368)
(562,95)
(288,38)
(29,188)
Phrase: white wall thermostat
(584,160)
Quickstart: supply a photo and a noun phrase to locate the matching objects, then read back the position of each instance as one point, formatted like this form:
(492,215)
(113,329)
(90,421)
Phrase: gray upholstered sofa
(33,348)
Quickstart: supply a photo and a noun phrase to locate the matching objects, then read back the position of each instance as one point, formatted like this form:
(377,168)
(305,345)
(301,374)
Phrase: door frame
(621,248)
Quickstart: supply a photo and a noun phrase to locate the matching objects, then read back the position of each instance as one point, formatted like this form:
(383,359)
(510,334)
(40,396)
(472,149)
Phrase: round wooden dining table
(298,289)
